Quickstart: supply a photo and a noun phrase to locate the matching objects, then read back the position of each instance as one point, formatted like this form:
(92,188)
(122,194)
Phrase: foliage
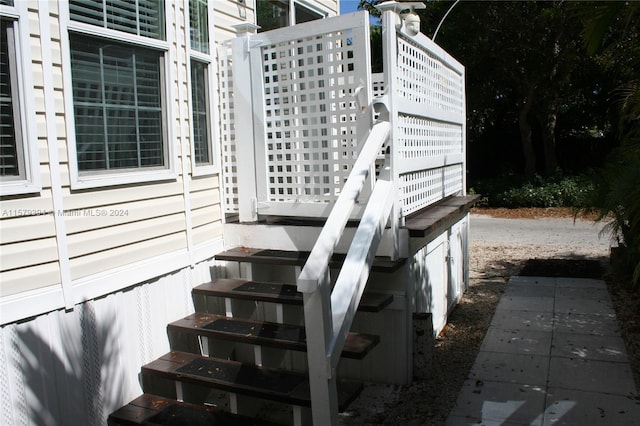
(530,85)
(616,198)
(551,73)
(557,191)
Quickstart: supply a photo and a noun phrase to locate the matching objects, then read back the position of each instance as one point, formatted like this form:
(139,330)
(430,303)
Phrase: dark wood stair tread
(285,336)
(278,293)
(439,215)
(232,376)
(152,410)
(297,258)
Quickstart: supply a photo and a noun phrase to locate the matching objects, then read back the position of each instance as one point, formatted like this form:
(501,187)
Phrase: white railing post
(243,107)
(391,22)
(323,344)
(322,377)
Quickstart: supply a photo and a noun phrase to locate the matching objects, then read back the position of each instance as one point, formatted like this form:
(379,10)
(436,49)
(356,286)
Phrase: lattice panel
(453,179)
(310,115)
(420,189)
(377,84)
(423,78)
(423,188)
(227,130)
(421,137)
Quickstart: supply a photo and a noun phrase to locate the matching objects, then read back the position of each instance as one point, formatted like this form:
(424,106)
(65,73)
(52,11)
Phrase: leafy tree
(611,32)
(521,60)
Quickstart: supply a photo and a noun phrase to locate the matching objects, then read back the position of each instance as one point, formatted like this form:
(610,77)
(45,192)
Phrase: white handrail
(324,328)
(355,271)
(318,261)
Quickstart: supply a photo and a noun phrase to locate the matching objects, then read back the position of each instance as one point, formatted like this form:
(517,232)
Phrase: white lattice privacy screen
(227,130)
(377,83)
(311,110)
(304,110)
(430,124)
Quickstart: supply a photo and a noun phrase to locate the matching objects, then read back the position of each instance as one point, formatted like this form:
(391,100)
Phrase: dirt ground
(428,402)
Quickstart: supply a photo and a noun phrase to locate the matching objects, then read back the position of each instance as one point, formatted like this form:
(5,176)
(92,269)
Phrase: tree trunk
(526,134)
(549,142)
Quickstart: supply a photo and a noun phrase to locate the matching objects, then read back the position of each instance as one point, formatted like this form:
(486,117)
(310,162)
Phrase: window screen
(305,15)
(117,104)
(10,158)
(141,17)
(272,14)
(199,25)
(199,91)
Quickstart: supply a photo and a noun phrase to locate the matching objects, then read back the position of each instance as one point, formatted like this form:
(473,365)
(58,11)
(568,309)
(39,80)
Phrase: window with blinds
(199,36)
(199,25)
(140,17)
(11,158)
(199,99)
(117,101)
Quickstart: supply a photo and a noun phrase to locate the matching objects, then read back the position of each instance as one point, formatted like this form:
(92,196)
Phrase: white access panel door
(436,265)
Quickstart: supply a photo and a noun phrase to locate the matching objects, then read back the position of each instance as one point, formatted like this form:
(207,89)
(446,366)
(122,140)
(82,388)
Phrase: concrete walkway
(553,355)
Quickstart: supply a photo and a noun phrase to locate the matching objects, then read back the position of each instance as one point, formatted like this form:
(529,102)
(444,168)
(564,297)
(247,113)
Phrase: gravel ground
(428,402)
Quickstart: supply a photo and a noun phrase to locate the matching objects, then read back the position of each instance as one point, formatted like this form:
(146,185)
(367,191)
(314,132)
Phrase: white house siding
(206,211)
(121,276)
(29,251)
(229,13)
(60,240)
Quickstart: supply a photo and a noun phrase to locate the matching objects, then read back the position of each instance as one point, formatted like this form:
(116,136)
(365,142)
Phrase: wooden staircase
(246,341)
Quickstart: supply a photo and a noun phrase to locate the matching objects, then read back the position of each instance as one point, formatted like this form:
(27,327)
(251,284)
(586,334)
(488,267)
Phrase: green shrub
(616,199)
(511,192)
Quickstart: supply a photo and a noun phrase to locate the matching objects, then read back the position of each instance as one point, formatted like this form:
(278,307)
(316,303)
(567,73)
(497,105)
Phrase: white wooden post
(243,106)
(390,21)
(322,377)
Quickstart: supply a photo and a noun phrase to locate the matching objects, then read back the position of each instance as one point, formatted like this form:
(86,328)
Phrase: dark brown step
(235,288)
(298,258)
(268,383)
(284,336)
(155,410)
(440,215)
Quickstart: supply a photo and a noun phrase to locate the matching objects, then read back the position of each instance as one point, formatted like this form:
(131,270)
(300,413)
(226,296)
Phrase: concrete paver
(553,355)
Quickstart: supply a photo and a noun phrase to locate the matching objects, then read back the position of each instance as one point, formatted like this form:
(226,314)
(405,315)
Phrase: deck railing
(305,144)
(306,98)
(329,312)
(303,102)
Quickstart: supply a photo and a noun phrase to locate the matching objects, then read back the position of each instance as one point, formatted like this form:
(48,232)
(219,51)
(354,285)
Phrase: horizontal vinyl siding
(121,256)
(229,13)
(28,245)
(80,220)
(206,211)
(30,278)
(36,251)
(110,228)
(107,197)
(206,233)
(104,239)
(109,231)
(26,228)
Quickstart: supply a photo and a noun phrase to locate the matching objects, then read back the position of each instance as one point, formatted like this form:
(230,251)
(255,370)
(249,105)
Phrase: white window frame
(211,75)
(28,181)
(102,178)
